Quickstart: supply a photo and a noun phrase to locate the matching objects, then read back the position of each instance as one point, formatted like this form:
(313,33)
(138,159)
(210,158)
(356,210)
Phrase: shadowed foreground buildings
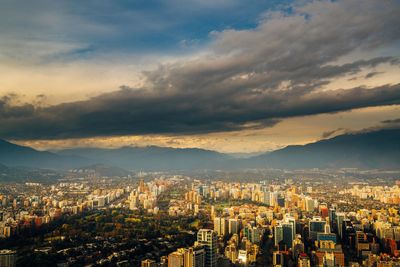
(188,257)
(202,254)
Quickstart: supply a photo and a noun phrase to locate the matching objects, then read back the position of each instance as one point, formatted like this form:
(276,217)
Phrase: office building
(316,225)
(208,238)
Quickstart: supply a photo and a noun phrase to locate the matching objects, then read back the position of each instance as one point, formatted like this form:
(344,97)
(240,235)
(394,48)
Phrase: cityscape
(160,219)
(200,133)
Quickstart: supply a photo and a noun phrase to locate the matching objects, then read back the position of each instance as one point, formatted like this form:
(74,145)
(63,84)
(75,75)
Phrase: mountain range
(367,150)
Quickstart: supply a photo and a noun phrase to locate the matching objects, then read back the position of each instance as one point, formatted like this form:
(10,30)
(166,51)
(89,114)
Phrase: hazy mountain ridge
(377,149)
(16,155)
(369,150)
(152,157)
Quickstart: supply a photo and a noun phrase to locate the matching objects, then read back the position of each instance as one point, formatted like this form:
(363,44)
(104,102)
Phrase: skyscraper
(221,226)
(253,233)
(332,216)
(278,234)
(288,237)
(309,204)
(292,220)
(233,226)
(208,238)
(283,234)
(340,216)
(316,225)
(199,256)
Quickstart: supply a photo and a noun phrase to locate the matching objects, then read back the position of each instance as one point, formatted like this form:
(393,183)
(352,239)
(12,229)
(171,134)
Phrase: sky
(227,75)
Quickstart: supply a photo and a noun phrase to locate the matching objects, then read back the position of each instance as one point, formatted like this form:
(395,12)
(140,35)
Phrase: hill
(16,155)
(367,150)
(152,157)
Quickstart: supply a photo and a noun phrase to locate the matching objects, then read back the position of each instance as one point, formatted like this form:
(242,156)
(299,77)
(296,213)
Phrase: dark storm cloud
(130,111)
(8,110)
(249,79)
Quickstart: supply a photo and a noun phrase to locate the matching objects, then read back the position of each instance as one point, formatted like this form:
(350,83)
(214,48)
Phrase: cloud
(62,30)
(140,112)
(11,109)
(395,121)
(248,79)
(384,125)
(331,133)
(372,74)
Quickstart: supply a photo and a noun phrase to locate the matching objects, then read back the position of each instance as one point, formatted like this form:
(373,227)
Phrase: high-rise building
(233,226)
(212,212)
(253,233)
(309,204)
(266,197)
(208,238)
(242,257)
(332,217)
(198,256)
(316,225)
(340,216)
(188,257)
(278,258)
(292,220)
(283,234)
(231,252)
(133,203)
(324,211)
(8,258)
(280,201)
(148,263)
(273,199)
(288,236)
(7,231)
(176,259)
(141,187)
(194,256)
(221,226)
(278,235)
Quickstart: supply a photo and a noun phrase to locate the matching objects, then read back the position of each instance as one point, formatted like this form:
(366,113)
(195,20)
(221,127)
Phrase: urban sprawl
(170,220)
